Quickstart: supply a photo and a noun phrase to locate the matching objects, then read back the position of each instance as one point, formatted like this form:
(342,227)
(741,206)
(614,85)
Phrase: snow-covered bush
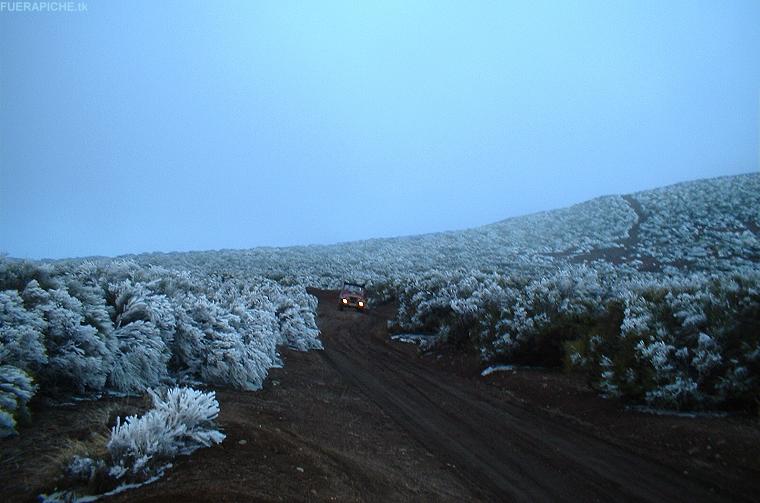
(117,325)
(221,347)
(706,225)
(680,342)
(78,355)
(676,342)
(549,311)
(295,315)
(16,389)
(460,307)
(180,422)
(140,357)
(140,449)
(21,333)
(508,319)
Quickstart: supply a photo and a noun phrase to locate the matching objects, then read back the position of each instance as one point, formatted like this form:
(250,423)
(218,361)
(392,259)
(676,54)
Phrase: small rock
(299,469)
(242,442)
(313,492)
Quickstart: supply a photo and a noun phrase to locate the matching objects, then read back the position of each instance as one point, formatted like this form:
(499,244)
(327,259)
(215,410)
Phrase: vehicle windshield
(352,288)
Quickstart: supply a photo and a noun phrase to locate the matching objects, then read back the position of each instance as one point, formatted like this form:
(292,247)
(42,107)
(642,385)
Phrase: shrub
(180,422)
(16,389)
(682,343)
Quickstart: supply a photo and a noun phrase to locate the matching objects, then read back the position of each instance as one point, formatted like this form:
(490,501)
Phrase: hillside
(704,225)
(652,297)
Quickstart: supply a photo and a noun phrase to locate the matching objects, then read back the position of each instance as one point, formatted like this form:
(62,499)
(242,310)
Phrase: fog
(132,127)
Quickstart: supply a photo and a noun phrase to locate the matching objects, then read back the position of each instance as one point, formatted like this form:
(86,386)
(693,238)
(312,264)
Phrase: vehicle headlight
(361,304)
(345,301)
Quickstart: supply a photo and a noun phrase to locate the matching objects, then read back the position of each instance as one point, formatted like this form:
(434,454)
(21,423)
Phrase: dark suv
(352,295)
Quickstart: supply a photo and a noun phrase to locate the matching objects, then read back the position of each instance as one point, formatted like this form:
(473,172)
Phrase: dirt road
(368,419)
(500,450)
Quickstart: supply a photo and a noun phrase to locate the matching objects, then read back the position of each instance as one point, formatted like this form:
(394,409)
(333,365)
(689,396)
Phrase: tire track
(501,450)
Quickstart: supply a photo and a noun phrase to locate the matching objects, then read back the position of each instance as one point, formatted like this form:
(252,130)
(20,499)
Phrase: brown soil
(368,419)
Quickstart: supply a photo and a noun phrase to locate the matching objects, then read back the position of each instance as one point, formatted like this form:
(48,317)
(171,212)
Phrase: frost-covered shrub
(144,330)
(180,422)
(21,353)
(509,319)
(140,357)
(460,307)
(680,343)
(140,449)
(116,325)
(21,333)
(295,315)
(706,225)
(549,311)
(223,348)
(78,355)
(16,389)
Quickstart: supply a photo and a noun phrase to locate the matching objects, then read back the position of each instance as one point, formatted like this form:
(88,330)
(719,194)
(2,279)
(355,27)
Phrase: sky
(139,126)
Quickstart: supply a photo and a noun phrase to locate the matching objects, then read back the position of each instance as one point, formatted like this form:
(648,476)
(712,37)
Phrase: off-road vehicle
(352,295)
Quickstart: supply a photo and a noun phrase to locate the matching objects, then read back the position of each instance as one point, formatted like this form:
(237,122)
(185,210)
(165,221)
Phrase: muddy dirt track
(368,419)
(500,450)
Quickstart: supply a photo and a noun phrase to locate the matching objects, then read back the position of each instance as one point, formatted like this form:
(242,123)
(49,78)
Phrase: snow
(496,368)
(180,422)
(114,326)
(425,342)
(69,497)
(674,413)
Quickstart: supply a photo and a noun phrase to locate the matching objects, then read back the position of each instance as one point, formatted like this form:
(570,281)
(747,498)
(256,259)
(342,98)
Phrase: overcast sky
(163,126)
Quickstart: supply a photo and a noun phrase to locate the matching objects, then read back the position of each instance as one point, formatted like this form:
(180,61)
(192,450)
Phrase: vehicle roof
(348,283)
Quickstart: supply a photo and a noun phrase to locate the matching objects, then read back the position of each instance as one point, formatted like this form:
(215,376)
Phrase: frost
(21,333)
(425,342)
(496,368)
(181,421)
(140,358)
(16,389)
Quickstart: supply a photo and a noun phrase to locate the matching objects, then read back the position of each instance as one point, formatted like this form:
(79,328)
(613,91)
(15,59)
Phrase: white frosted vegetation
(16,389)
(585,284)
(685,342)
(180,422)
(140,448)
(82,327)
(704,225)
